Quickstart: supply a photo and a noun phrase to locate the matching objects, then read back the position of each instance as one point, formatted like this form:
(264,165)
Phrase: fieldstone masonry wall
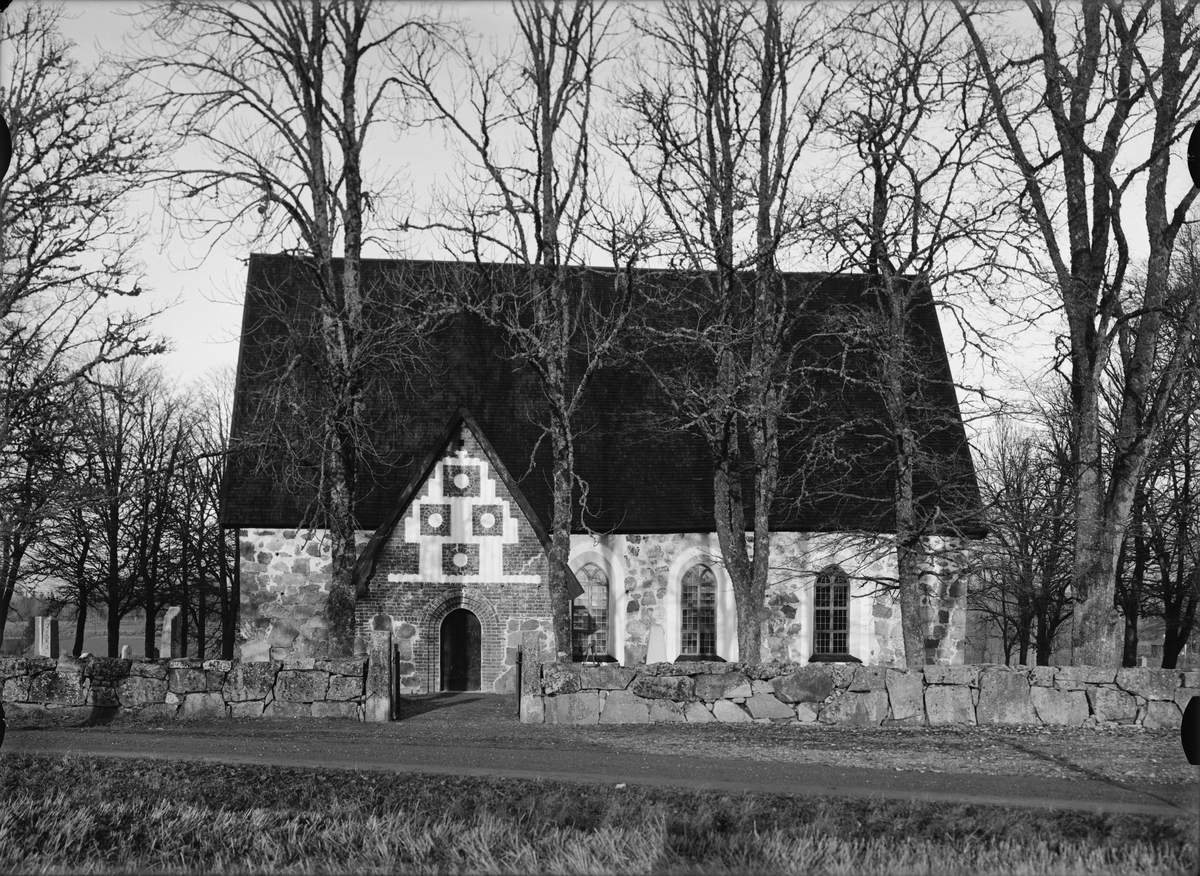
(97,687)
(285,586)
(865,696)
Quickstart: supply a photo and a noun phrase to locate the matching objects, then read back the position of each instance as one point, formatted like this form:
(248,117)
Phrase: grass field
(92,815)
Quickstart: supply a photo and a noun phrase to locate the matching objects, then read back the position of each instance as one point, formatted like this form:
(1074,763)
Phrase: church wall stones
(285,576)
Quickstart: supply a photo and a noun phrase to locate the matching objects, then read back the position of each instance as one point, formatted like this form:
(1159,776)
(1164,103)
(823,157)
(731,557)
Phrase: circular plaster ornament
(435,521)
(487,520)
(460,559)
(462,480)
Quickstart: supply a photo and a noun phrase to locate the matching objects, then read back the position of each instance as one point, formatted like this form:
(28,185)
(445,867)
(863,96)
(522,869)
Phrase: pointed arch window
(698,610)
(831,613)
(589,615)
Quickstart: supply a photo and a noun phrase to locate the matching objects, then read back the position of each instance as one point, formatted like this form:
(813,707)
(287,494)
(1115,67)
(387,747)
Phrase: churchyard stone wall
(863,696)
(99,687)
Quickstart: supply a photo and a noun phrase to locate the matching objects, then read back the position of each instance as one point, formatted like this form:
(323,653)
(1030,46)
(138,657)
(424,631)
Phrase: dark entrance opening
(460,651)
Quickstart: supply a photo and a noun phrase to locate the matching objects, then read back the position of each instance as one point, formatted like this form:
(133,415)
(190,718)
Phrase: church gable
(460,552)
(462,527)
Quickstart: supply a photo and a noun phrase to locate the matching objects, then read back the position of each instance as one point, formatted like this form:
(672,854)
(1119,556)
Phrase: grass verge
(92,815)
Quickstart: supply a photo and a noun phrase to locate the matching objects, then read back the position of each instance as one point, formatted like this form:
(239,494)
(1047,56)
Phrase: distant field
(82,814)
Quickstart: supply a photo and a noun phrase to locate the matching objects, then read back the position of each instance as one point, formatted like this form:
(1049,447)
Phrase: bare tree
(37,488)
(1104,76)
(1156,567)
(207,582)
(919,215)
(100,540)
(1173,518)
(715,123)
(80,146)
(523,121)
(1025,575)
(284,100)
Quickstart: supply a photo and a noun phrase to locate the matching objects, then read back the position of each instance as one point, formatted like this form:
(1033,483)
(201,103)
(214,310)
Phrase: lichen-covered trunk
(895,359)
(752,606)
(908,563)
(340,509)
(560,542)
(730,514)
(1096,620)
(340,321)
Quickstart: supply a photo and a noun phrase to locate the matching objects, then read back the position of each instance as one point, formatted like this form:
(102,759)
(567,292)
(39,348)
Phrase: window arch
(589,614)
(698,612)
(831,612)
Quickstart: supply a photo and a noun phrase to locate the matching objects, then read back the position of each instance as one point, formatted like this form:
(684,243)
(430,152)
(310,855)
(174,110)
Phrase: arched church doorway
(461,649)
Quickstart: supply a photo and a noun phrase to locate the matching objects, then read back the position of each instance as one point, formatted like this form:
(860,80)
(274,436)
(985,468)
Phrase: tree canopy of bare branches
(1106,94)
(916,210)
(522,120)
(282,100)
(712,127)
(81,145)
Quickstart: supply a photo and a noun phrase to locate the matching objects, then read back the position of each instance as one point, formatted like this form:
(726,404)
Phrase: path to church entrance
(474,734)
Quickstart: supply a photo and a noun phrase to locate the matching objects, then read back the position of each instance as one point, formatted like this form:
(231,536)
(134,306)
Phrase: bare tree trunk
(1130,595)
(229,597)
(1180,623)
(7,589)
(80,627)
(560,541)
(185,549)
(895,359)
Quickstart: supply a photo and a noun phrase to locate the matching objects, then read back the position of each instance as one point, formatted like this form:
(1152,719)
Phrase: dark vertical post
(520,660)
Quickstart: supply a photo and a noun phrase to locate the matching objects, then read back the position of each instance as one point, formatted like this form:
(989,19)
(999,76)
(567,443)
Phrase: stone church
(454,501)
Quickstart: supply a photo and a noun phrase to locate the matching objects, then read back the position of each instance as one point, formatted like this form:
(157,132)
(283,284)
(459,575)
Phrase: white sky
(204,290)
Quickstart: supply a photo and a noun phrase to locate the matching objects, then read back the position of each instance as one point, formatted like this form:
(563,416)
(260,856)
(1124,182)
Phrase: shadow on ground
(1092,774)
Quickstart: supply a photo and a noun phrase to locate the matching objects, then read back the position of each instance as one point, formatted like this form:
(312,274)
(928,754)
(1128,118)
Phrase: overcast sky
(205,288)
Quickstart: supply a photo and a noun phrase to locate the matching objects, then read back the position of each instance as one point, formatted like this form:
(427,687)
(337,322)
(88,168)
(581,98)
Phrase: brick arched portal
(491,657)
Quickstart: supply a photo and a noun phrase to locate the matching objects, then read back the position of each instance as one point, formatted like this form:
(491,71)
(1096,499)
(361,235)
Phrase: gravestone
(45,637)
(378,705)
(169,642)
(126,652)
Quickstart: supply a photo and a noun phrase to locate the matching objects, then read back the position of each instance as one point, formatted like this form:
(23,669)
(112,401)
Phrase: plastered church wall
(645,573)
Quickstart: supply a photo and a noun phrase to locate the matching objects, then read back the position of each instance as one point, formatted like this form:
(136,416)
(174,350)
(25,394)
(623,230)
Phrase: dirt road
(464,734)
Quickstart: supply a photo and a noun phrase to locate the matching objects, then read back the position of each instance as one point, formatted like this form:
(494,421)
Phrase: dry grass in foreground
(91,815)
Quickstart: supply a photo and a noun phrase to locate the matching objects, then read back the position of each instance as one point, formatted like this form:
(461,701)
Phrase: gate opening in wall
(461,650)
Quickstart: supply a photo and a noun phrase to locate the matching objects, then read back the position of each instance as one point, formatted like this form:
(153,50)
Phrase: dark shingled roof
(640,479)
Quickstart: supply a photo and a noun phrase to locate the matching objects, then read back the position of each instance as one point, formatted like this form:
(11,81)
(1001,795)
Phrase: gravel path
(1123,770)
